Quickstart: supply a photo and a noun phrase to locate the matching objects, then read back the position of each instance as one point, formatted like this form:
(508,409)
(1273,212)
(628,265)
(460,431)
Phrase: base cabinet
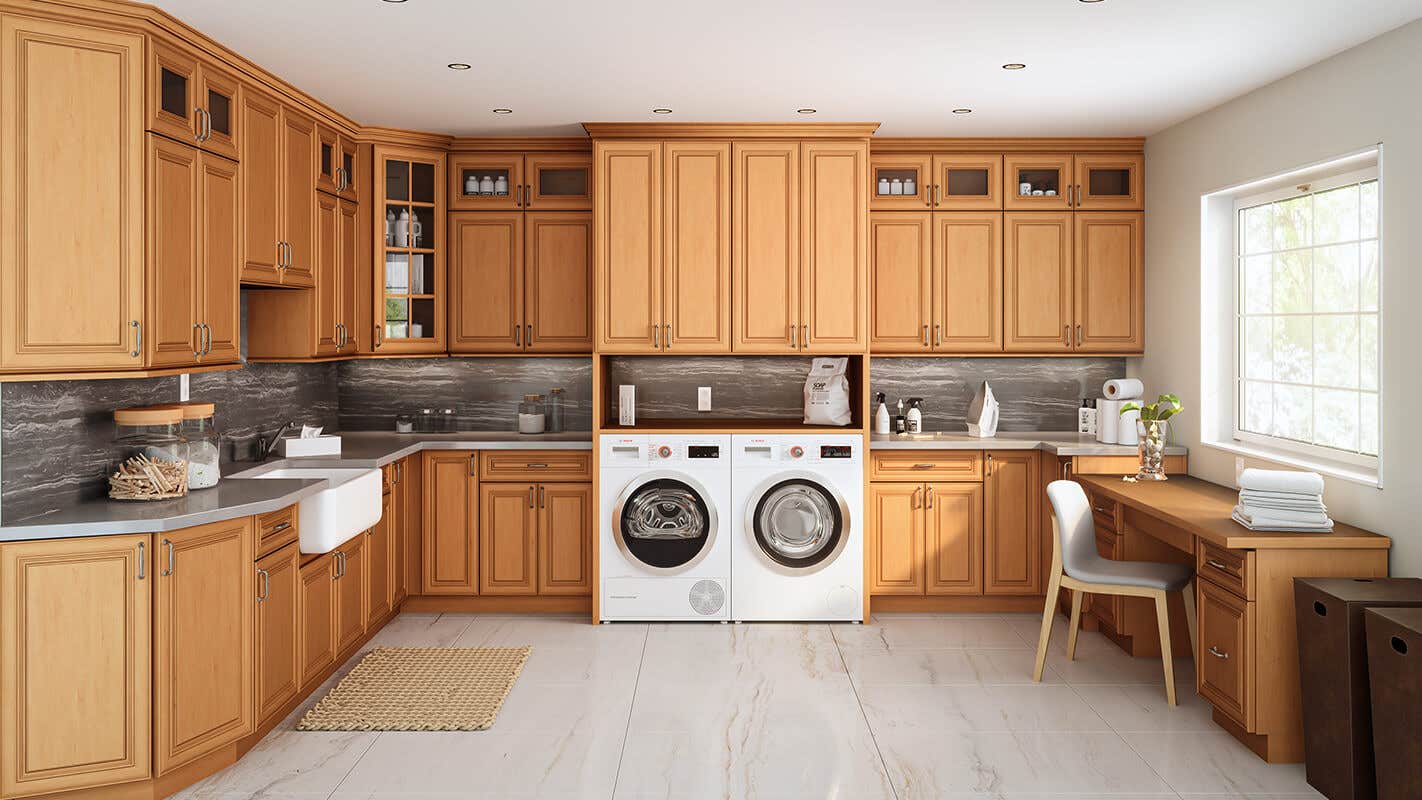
(352,566)
(1013,542)
(380,576)
(278,673)
(317,624)
(449,539)
(535,539)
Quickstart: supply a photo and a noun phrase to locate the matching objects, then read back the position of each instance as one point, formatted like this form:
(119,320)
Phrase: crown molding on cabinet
(1008,144)
(402,137)
(730,130)
(521,144)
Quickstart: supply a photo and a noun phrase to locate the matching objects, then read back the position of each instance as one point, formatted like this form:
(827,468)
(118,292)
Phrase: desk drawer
(535,465)
(275,530)
(926,465)
(1230,569)
(1105,511)
(1226,675)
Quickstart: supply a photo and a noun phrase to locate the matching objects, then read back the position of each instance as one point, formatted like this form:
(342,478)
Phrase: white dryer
(798,535)
(665,543)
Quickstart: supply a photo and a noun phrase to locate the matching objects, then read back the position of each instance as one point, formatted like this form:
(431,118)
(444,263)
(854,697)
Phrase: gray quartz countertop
(1060,443)
(237,496)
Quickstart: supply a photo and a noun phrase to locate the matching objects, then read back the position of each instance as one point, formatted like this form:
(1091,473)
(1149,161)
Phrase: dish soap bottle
(915,415)
(881,415)
(899,422)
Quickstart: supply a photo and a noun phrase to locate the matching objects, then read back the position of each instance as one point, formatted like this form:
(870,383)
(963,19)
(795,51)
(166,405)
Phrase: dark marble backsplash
(744,386)
(255,401)
(484,392)
(1033,394)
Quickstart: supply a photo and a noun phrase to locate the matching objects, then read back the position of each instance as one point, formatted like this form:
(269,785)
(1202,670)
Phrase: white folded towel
(1280,480)
(1297,502)
(1256,522)
(1284,515)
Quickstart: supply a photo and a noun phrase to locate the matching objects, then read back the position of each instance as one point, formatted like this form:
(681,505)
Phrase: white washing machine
(798,536)
(665,542)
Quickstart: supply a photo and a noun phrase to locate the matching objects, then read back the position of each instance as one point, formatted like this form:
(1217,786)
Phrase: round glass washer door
(665,522)
(798,523)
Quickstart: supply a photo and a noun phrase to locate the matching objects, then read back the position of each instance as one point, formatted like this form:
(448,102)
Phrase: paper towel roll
(1107,412)
(1126,432)
(1123,389)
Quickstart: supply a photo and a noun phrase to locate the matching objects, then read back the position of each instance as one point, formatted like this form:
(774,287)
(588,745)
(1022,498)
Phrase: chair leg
(1076,597)
(1053,589)
(1162,615)
(1193,624)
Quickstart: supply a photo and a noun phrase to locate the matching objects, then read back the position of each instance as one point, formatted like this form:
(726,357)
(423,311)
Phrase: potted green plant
(1153,429)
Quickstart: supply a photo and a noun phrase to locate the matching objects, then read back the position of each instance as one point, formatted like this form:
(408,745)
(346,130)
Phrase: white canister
(896,186)
(883,186)
(501,185)
(1037,192)
(910,186)
(486,185)
(1024,188)
(390,227)
(471,184)
(402,230)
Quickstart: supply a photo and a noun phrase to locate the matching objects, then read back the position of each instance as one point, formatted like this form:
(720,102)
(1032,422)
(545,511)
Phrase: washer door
(665,521)
(798,522)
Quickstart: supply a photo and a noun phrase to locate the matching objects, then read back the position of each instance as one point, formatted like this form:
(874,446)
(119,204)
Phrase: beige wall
(1371,93)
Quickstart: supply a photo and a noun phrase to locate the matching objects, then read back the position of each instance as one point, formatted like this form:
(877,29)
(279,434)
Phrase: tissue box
(319,446)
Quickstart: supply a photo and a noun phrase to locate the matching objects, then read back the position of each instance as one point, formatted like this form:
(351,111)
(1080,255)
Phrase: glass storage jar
(153,436)
(204,444)
(555,410)
(530,414)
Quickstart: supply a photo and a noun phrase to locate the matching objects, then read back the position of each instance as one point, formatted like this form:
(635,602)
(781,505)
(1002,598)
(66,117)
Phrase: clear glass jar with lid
(555,410)
(204,444)
(154,432)
(530,414)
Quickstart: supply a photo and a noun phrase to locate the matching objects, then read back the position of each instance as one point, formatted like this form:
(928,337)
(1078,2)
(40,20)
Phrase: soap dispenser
(881,414)
(915,415)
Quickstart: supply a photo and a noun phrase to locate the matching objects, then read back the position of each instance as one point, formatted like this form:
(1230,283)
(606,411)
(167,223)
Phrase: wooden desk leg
(1162,615)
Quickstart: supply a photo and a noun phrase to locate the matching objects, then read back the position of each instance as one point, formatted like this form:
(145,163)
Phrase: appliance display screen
(703,451)
(835,451)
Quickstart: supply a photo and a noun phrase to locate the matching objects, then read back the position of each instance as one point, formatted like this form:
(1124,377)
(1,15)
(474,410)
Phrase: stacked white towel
(1282,500)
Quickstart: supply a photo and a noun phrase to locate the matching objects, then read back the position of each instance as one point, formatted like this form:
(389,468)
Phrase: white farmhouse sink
(332,516)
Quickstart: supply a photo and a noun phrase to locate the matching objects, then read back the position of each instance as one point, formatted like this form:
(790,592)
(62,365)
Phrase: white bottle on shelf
(910,186)
(896,186)
(501,185)
(471,184)
(486,185)
(881,416)
(883,186)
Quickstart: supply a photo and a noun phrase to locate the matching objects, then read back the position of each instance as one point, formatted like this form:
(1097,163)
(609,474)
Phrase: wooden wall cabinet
(335,163)
(1110,182)
(203,612)
(191,99)
(765,249)
(527,181)
(410,304)
(628,246)
(696,282)
(278,676)
(71,246)
(76,631)
(901,306)
(942,181)
(1037,282)
(278,201)
(450,524)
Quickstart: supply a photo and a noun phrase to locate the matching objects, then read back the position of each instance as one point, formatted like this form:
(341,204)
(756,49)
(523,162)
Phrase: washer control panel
(660,451)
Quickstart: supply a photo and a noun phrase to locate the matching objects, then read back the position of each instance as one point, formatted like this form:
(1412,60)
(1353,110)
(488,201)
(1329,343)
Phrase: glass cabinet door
(328,159)
(346,162)
(1041,182)
(1110,182)
(900,182)
(172,95)
(410,304)
(558,181)
(217,95)
(967,182)
(483,181)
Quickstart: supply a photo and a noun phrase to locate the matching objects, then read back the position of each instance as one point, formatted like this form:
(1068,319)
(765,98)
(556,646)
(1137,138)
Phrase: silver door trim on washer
(758,493)
(642,479)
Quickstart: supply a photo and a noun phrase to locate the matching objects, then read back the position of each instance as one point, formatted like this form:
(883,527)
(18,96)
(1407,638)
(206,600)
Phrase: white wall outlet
(1238,468)
(703,398)
(183,388)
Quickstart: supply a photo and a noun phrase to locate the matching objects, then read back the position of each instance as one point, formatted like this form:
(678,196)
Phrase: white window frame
(1292,450)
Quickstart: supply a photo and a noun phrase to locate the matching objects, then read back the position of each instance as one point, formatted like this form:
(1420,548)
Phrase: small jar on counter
(204,444)
(531,417)
(154,436)
(555,410)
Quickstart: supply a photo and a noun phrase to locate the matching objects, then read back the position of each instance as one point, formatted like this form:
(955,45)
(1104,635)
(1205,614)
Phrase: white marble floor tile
(930,710)
(943,667)
(289,762)
(1310,795)
(1143,707)
(549,631)
(1213,761)
(420,630)
(892,633)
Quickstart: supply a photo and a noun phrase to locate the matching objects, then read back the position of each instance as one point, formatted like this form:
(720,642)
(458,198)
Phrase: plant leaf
(1131,407)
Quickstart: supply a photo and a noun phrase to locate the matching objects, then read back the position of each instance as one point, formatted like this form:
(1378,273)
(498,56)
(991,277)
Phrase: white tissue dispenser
(982,413)
(327,445)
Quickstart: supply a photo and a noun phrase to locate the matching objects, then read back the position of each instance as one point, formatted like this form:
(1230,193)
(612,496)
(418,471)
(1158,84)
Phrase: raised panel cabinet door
(298,174)
(1012,538)
(412,507)
(174,291)
(394,517)
(953,538)
(277,617)
(316,639)
(1037,281)
(901,278)
(218,94)
(71,246)
(834,282)
(1110,182)
(262,183)
(348,262)
(1037,182)
(967,282)
(557,286)
(900,182)
(565,531)
(896,538)
(219,216)
(450,524)
(1227,669)
(696,299)
(75,660)
(508,539)
(1110,282)
(558,181)
(967,182)
(380,564)
(173,96)
(326,335)
(628,246)
(352,571)
(486,282)
(204,623)
(765,247)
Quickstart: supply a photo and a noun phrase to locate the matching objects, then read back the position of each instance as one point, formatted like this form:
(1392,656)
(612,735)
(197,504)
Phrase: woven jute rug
(420,689)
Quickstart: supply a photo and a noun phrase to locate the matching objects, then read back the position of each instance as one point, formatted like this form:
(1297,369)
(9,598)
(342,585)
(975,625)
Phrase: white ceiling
(1118,67)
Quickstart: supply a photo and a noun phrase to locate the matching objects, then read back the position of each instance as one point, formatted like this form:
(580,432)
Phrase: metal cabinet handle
(925,335)
(928,498)
(379,339)
(528,336)
(792,337)
(518,335)
(197,338)
(197,123)
(266,585)
(528,195)
(474,464)
(656,337)
(168,543)
(1066,335)
(937,334)
(140,561)
(540,496)
(1215,651)
(536,466)
(1217,565)
(804,336)
(137,338)
(666,337)
(1078,335)
(530,497)
(518,195)
(913,502)
(207,125)
(208,330)
(399,471)
(281,527)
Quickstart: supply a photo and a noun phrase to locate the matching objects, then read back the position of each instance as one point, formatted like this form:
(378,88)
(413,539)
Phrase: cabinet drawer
(1226,675)
(926,465)
(1103,510)
(275,530)
(534,465)
(1229,569)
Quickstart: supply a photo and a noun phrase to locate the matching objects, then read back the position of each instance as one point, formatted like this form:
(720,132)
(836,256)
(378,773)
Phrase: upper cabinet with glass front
(192,100)
(901,182)
(335,163)
(1038,182)
(533,181)
(1110,182)
(1088,182)
(409,292)
(944,182)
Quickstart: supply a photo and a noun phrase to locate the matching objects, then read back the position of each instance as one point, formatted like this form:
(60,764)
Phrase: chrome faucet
(267,445)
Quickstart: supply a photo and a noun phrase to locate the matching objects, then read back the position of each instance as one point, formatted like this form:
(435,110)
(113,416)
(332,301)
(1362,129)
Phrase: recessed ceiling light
(1090,1)
(962,111)
(503,111)
(805,110)
(1014,65)
(661,111)
(394,1)
(458,66)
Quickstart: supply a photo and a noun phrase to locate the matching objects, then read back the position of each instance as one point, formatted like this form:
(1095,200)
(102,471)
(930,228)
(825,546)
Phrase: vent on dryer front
(706,597)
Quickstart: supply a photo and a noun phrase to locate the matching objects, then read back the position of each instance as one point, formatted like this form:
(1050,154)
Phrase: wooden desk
(1247,650)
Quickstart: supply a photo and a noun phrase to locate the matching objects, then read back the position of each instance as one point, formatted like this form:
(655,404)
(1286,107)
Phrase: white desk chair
(1077,567)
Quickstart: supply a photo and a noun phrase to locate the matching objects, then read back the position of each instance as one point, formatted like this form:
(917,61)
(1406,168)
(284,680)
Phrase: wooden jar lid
(152,415)
(195,409)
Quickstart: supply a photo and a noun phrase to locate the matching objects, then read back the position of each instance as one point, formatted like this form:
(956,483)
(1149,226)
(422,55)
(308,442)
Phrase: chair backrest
(1076,530)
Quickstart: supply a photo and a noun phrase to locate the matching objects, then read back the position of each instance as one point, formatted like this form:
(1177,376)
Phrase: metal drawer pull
(207,331)
(1217,565)
(537,466)
(1214,651)
(281,527)
(168,544)
(1100,510)
(266,585)
(924,466)
(140,561)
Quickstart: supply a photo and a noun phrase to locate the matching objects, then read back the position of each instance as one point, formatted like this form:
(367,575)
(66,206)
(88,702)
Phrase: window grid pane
(1307,311)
